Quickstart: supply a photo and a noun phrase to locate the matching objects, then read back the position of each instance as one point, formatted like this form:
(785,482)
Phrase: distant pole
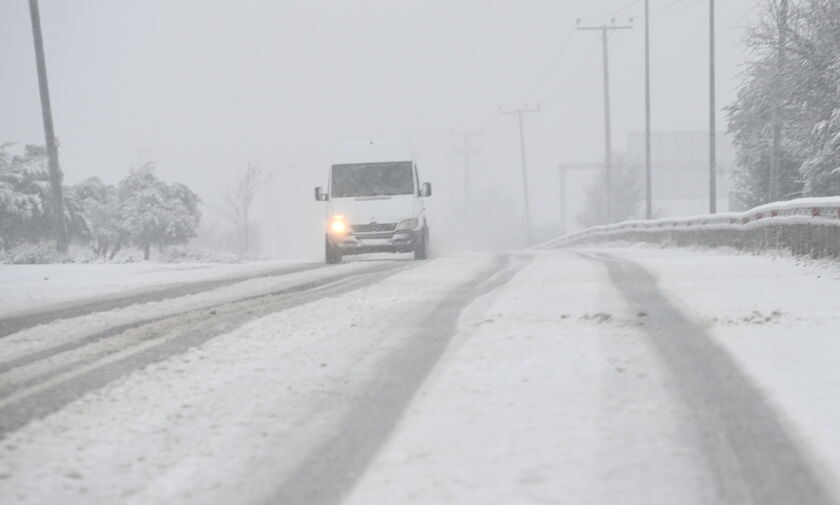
(46,111)
(466,138)
(561,189)
(520,112)
(712,114)
(775,153)
(607,127)
(648,183)
(605,29)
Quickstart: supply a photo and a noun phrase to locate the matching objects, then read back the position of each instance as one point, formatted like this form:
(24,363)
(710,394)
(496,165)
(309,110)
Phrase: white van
(375,200)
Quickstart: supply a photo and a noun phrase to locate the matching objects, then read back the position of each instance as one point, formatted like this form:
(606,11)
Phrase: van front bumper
(401,241)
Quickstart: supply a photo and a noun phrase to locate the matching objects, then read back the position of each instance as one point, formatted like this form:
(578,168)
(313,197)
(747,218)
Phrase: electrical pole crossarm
(605,27)
(522,110)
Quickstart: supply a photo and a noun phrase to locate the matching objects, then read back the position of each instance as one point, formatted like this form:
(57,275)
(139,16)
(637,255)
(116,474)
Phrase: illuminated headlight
(407,224)
(338,226)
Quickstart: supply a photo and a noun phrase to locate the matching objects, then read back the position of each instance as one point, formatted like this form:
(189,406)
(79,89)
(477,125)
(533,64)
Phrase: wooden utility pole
(520,112)
(712,114)
(605,30)
(781,56)
(466,138)
(648,175)
(49,134)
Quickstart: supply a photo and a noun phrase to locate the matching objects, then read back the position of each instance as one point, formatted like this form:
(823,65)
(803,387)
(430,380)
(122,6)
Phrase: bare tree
(238,202)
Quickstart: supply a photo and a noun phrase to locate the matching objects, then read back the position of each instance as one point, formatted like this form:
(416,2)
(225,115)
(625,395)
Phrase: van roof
(373,150)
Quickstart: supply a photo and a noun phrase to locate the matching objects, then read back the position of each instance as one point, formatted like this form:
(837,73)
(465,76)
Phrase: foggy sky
(202,87)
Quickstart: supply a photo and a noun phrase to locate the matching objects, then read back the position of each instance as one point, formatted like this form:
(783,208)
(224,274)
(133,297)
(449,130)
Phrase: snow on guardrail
(819,212)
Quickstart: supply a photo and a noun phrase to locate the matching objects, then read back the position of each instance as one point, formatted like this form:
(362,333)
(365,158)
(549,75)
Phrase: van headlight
(407,224)
(338,226)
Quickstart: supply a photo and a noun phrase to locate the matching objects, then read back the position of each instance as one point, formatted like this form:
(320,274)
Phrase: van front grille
(385,235)
(374,228)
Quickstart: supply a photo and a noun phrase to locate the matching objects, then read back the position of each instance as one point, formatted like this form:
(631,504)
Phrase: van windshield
(372,179)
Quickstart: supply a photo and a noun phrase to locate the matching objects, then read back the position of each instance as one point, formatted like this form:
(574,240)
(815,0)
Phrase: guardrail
(807,226)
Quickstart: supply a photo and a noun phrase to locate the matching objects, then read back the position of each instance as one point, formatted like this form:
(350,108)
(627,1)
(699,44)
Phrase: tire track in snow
(160,339)
(334,466)
(14,324)
(749,451)
(97,336)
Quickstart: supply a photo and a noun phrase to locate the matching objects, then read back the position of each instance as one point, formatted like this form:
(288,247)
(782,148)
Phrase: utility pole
(466,138)
(712,114)
(781,56)
(561,190)
(521,111)
(46,111)
(605,30)
(648,183)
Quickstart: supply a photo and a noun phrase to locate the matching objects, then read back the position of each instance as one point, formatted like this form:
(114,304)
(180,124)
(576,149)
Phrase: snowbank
(28,287)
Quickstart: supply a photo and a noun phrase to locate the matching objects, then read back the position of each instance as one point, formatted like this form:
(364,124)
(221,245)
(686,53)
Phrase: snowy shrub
(181,254)
(34,253)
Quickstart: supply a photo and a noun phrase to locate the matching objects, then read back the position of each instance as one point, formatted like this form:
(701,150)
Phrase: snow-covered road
(599,376)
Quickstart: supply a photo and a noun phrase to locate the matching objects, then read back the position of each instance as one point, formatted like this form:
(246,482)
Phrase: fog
(205,87)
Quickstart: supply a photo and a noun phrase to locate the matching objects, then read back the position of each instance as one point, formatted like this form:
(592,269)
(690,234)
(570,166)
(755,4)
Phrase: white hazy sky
(204,86)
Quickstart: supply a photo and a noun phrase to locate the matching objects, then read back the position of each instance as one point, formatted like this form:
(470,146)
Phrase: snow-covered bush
(182,254)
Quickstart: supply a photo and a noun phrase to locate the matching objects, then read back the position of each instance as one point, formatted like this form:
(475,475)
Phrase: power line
(718,35)
(661,12)
(575,75)
(666,6)
(613,13)
(551,67)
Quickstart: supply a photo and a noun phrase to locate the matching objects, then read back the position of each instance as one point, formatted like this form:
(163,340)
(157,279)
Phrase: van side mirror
(320,196)
(426,190)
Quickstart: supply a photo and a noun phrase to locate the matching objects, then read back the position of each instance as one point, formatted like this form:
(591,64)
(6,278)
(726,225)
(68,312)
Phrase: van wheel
(331,253)
(421,250)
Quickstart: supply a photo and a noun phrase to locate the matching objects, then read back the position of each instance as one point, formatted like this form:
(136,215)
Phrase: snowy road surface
(584,377)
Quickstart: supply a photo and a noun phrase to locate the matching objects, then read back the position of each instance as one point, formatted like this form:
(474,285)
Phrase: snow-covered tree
(26,207)
(821,171)
(22,207)
(155,213)
(102,210)
(805,90)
